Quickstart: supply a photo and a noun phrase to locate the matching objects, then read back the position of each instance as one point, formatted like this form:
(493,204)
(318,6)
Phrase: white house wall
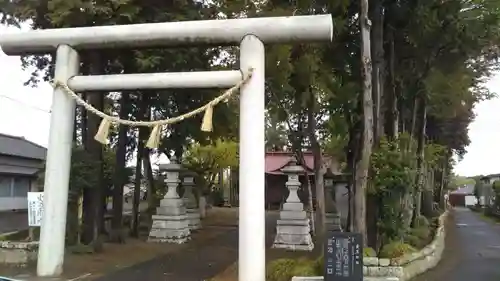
(13,203)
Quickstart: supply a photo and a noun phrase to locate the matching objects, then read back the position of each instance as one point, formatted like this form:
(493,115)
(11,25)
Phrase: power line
(25,104)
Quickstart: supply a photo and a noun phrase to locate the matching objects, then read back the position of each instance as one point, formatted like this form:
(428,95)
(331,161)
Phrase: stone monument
(332,214)
(170,224)
(292,229)
(192,210)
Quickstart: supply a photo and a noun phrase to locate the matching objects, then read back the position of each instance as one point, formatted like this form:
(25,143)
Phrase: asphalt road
(472,250)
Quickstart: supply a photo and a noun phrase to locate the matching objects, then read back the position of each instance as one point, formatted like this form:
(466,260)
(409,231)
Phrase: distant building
(487,195)
(463,196)
(20,163)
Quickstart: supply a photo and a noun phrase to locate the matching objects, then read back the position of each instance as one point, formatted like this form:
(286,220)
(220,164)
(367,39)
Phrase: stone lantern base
(194,220)
(171,224)
(293,230)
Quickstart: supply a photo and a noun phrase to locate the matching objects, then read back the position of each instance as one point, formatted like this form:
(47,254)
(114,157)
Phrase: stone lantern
(335,189)
(192,210)
(170,224)
(292,229)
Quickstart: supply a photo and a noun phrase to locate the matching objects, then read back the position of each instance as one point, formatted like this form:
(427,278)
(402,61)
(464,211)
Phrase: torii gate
(249,33)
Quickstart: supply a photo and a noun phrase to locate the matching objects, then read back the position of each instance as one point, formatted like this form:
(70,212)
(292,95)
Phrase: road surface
(472,250)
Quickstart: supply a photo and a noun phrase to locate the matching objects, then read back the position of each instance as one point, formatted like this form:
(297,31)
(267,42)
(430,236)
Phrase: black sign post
(343,256)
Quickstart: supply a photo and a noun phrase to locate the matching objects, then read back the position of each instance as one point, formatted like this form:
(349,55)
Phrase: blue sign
(343,256)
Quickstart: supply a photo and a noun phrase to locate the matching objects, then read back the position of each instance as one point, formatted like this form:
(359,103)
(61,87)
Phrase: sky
(25,111)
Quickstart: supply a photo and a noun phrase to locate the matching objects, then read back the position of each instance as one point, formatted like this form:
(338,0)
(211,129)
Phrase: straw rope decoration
(155,136)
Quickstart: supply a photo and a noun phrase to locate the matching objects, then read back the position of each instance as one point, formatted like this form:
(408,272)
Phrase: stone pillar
(292,230)
(170,224)
(193,213)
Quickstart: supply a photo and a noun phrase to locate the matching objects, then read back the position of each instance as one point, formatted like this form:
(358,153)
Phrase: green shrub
(285,269)
(281,270)
(413,240)
(418,237)
(320,265)
(369,252)
(306,267)
(423,233)
(421,221)
(395,250)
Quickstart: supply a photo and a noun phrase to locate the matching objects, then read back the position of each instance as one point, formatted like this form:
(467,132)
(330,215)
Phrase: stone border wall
(17,253)
(405,267)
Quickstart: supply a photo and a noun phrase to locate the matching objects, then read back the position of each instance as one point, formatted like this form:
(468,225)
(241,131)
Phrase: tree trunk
(320,217)
(363,165)
(419,180)
(392,120)
(142,113)
(352,156)
(377,51)
(414,115)
(427,195)
(137,188)
(93,214)
(148,169)
(117,234)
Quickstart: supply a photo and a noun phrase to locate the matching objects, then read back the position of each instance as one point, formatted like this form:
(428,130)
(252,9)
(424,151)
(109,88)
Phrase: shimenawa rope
(154,138)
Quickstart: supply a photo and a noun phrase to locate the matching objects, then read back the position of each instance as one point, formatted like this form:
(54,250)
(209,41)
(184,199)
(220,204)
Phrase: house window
(5,186)
(14,187)
(21,187)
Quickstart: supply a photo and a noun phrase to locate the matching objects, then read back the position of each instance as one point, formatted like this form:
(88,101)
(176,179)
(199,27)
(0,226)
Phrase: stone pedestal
(170,224)
(292,229)
(192,210)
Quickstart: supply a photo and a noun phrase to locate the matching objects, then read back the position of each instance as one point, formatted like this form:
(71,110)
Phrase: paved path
(472,250)
(197,263)
(12,221)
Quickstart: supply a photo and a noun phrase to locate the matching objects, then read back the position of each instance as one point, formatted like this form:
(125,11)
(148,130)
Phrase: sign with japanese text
(343,256)
(35,208)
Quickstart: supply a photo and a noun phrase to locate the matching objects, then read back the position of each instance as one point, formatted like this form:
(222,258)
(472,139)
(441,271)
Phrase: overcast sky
(25,111)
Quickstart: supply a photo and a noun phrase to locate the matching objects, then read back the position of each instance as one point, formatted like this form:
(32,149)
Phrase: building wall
(13,203)
(18,165)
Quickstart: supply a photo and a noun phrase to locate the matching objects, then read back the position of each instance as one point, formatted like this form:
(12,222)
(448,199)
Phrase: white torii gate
(250,34)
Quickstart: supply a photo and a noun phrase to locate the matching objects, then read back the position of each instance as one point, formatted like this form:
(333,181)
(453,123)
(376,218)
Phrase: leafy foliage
(84,169)
(208,160)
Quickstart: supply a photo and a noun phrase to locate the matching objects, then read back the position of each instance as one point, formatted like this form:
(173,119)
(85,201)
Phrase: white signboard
(35,208)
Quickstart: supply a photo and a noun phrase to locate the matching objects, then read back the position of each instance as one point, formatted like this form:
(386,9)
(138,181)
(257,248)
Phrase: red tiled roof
(275,161)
